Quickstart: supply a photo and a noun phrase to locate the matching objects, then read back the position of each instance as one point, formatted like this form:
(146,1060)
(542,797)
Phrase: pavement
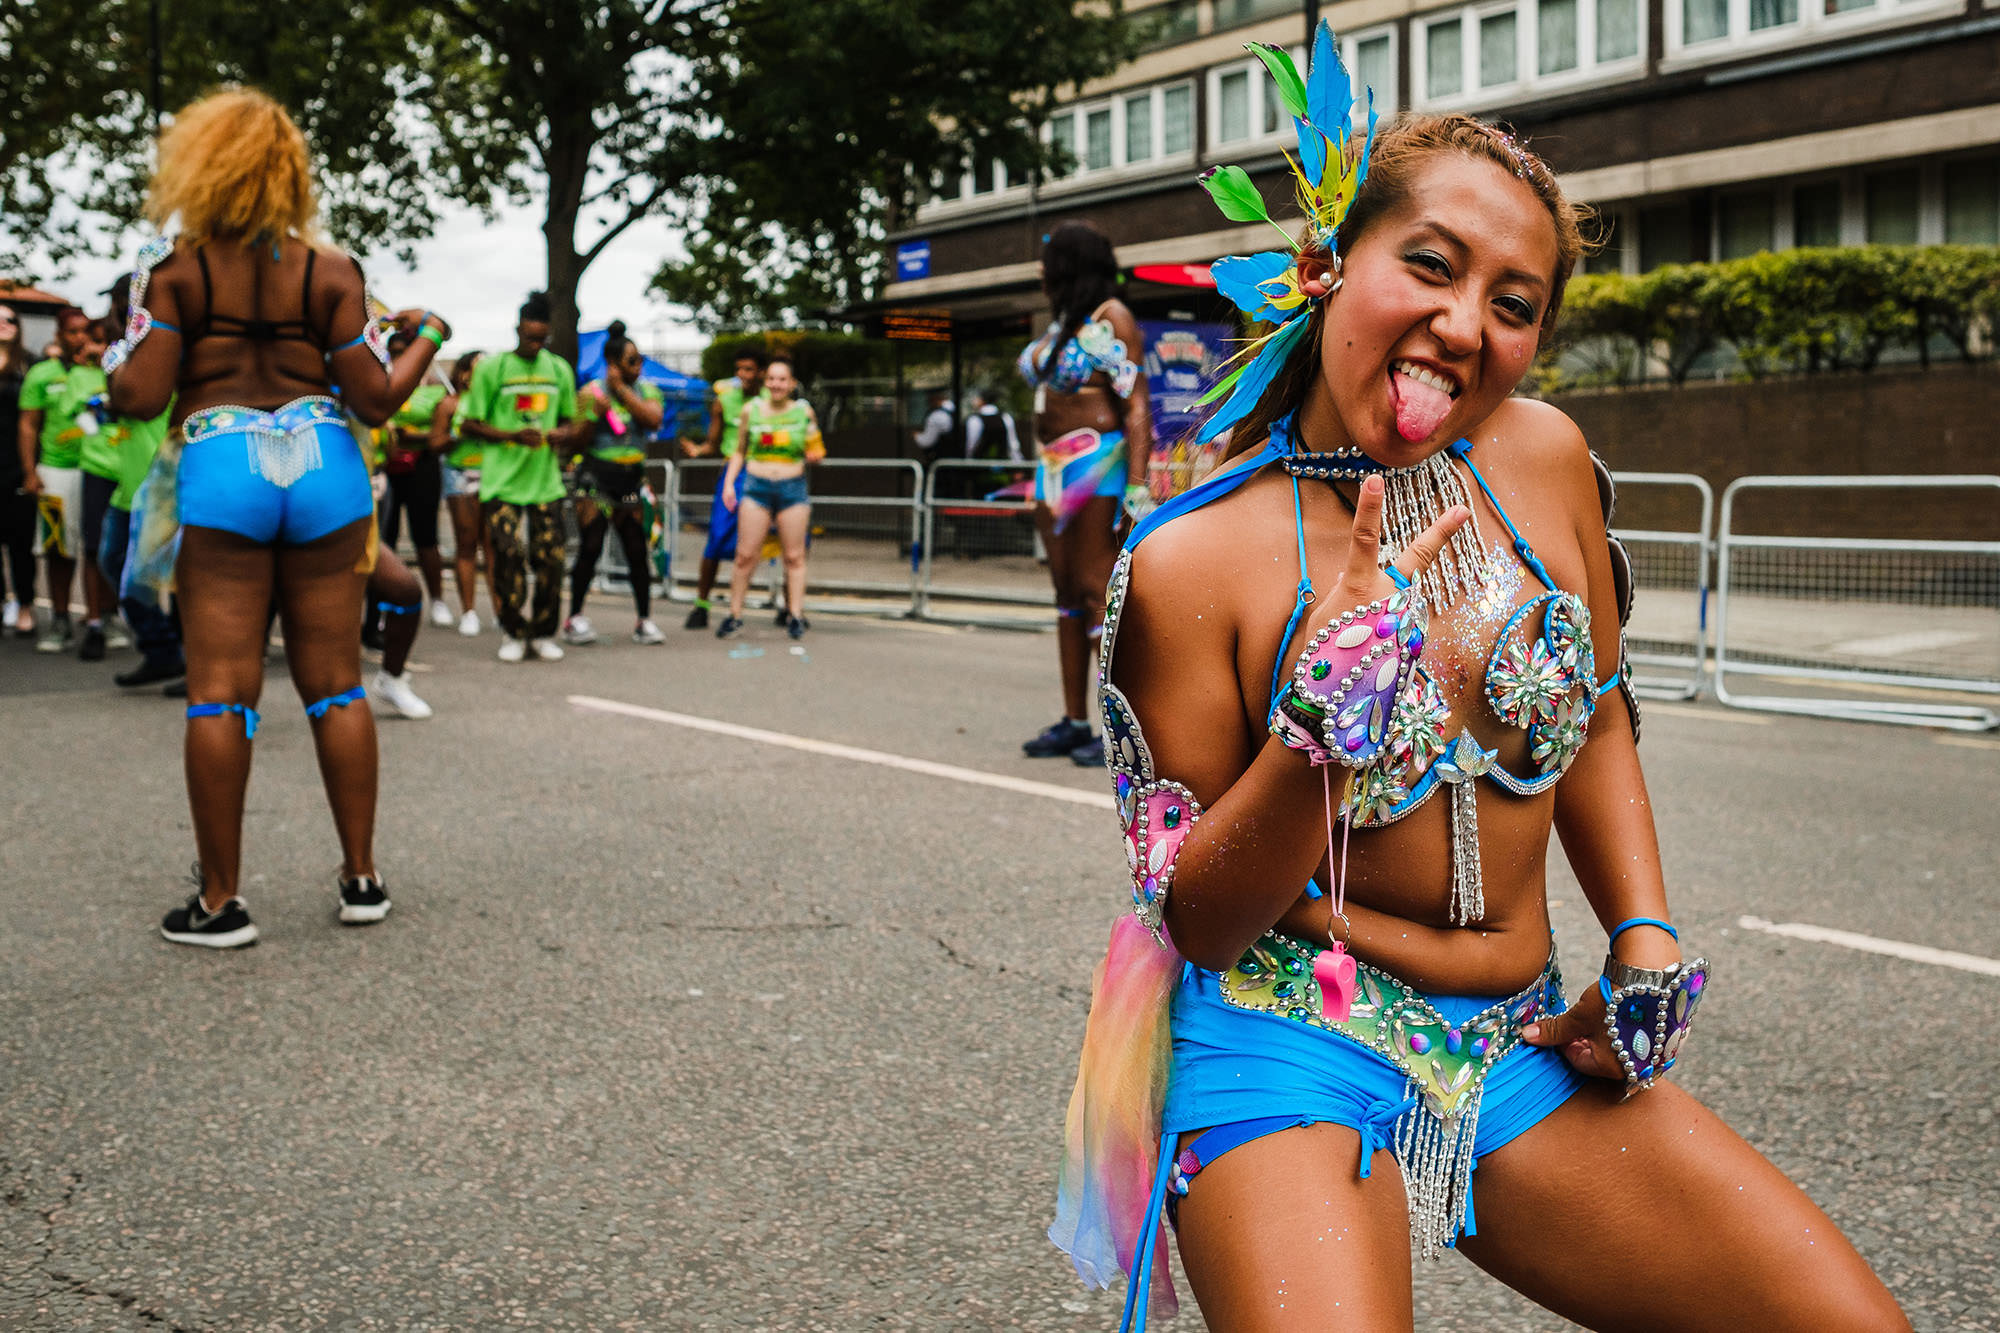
(675,1029)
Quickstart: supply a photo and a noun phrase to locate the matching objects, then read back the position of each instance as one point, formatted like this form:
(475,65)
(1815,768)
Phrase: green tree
(819,146)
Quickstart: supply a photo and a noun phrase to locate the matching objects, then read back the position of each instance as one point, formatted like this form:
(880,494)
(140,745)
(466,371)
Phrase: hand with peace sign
(1362,643)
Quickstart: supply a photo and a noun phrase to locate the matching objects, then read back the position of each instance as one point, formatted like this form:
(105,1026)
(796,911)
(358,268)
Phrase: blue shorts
(1242,1074)
(721,543)
(286,477)
(776,496)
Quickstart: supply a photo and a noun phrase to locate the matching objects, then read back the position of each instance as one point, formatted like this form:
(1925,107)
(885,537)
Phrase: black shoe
(230,928)
(363,901)
(1060,738)
(727,629)
(1090,754)
(697,619)
(177,690)
(150,671)
(93,644)
(796,626)
(783,619)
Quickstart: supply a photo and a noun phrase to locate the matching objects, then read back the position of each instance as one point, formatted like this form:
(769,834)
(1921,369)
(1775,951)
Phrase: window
(1232,103)
(1704,20)
(1139,128)
(1177,119)
(1499,58)
(1617,30)
(1972,202)
(1816,214)
(1743,224)
(1848,6)
(1097,140)
(1892,207)
(1444,58)
(1373,60)
(1169,24)
(1772,13)
(1609,257)
(1239,13)
(1555,36)
(982,176)
(1666,236)
(1062,143)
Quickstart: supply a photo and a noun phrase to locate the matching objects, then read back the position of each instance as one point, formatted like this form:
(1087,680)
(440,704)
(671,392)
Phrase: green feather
(1291,88)
(1233,193)
(1222,386)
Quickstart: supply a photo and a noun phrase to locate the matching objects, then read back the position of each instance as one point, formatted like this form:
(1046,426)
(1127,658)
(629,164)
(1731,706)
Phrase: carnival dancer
(726,401)
(521,403)
(1365,654)
(156,626)
(62,406)
(413,466)
(394,593)
(765,484)
(461,495)
(243,322)
(622,411)
(1094,419)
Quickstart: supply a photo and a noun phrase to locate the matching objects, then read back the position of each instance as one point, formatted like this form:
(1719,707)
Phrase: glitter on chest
(1461,639)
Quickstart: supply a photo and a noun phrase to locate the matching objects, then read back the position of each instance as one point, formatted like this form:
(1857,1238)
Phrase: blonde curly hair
(234,167)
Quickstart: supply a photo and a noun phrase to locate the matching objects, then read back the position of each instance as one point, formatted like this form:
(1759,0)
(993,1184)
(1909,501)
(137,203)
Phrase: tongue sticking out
(1419,407)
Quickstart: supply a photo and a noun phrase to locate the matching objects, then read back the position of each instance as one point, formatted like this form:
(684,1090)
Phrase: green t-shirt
(507,394)
(730,399)
(142,443)
(778,436)
(62,394)
(416,413)
(617,438)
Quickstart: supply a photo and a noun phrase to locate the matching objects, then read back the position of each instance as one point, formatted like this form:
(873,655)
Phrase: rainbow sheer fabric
(1111,1143)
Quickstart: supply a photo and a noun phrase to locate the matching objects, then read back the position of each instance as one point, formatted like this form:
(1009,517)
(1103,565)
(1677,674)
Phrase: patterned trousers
(515,556)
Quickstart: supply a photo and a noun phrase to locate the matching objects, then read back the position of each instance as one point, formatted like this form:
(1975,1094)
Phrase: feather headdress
(1328,172)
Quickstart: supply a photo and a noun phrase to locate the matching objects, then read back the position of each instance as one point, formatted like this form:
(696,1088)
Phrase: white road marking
(1901,645)
(1025,786)
(1647,706)
(1915,953)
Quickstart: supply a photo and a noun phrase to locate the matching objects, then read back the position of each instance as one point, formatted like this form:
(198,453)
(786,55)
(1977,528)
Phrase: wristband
(430,331)
(1647,1013)
(1631,921)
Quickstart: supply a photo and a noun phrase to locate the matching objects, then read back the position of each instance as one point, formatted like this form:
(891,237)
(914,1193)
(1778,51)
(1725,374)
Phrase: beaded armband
(1158,817)
(1647,1014)
(139,320)
(1337,705)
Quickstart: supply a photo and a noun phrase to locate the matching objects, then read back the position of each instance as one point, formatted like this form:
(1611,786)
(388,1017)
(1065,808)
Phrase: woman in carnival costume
(1358,671)
(244,321)
(623,410)
(1094,419)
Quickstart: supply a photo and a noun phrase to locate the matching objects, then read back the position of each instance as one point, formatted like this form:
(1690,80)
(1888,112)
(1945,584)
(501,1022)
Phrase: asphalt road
(677,1030)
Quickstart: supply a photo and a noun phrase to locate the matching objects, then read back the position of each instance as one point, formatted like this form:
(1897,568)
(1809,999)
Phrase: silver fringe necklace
(1413,498)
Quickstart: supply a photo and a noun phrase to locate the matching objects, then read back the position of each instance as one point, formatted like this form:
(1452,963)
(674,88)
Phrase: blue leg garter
(249,715)
(322,707)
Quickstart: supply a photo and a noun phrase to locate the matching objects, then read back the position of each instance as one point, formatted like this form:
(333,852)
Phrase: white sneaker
(395,692)
(115,635)
(513,649)
(440,615)
(10,611)
(546,649)
(468,624)
(577,629)
(647,632)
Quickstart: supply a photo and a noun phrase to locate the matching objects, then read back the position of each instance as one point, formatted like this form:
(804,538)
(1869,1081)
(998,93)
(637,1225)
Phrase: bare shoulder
(337,271)
(1193,571)
(1532,442)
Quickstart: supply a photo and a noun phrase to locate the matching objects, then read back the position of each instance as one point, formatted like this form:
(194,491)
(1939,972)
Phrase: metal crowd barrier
(980,517)
(849,530)
(1668,644)
(1832,614)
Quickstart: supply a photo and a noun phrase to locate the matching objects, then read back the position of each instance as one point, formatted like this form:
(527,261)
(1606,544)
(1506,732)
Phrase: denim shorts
(776,496)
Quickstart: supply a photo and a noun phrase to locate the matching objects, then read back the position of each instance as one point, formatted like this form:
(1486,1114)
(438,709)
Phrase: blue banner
(1181,362)
(913,260)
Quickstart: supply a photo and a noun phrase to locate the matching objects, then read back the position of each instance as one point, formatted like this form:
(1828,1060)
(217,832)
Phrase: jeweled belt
(283,446)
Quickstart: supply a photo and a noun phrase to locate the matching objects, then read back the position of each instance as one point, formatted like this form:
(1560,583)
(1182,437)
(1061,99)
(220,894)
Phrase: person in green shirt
(622,411)
(56,415)
(461,492)
(726,398)
(416,485)
(765,484)
(522,405)
(157,628)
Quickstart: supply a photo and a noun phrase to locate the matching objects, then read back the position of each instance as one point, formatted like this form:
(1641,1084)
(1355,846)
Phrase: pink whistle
(1334,971)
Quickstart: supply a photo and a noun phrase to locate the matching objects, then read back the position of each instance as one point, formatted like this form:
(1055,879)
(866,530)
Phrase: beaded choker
(1413,498)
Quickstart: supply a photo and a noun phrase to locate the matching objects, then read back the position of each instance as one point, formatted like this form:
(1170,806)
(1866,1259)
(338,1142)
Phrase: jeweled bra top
(1540,673)
(1096,347)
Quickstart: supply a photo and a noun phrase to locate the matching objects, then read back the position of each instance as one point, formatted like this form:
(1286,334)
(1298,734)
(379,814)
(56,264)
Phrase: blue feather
(1312,152)
(1257,377)
(1329,95)
(1237,277)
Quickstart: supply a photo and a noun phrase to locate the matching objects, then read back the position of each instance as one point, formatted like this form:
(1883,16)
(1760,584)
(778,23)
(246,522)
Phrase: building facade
(1700,129)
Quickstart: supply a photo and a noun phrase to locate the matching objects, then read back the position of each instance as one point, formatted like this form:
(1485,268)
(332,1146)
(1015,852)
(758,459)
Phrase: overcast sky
(476,273)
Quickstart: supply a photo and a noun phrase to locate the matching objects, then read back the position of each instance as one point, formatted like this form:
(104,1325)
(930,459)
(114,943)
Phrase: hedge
(1797,312)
